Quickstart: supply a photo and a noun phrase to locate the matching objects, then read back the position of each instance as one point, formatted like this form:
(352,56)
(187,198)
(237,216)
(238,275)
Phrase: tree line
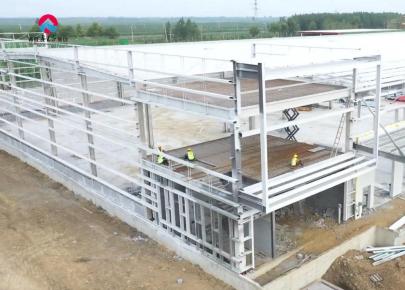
(188,30)
(65,32)
(327,21)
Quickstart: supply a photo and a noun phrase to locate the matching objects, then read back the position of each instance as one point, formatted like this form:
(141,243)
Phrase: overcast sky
(175,8)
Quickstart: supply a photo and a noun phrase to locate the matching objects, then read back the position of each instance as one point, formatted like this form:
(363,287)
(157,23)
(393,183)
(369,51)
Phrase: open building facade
(86,116)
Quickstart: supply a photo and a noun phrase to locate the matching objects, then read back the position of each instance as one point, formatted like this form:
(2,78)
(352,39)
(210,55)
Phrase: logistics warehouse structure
(84,115)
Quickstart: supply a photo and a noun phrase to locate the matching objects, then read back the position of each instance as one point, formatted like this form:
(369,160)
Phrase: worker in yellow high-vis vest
(160,158)
(296,161)
(189,156)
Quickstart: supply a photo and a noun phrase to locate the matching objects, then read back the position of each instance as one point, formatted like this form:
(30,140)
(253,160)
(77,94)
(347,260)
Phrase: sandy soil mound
(353,271)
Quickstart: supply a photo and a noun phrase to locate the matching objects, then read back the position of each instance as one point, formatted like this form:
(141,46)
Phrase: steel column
(377,113)
(236,147)
(120,92)
(17,110)
(149,125)
(89,126)
(263,132)
(46,74)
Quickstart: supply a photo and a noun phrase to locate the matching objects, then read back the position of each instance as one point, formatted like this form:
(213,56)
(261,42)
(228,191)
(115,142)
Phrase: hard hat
(295,155)
(189,149)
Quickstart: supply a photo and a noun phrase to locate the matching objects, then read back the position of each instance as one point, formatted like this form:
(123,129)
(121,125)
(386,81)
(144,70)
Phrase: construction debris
(398,224)
(385,254)
(376,278)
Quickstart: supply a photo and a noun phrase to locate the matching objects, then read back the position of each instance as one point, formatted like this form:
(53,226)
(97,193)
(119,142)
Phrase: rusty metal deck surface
(215,155)
(276,90)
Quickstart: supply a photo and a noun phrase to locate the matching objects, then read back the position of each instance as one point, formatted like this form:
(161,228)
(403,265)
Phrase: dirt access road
(50,239)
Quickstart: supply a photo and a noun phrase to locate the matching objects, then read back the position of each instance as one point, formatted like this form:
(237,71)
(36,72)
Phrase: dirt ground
(312,239)
(353,270)
(50,239)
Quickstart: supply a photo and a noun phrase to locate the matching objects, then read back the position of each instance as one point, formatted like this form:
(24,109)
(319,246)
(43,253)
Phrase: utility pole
(255,9)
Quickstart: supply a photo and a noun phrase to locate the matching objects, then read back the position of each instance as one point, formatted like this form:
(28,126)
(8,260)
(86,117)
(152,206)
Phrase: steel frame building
(216,211)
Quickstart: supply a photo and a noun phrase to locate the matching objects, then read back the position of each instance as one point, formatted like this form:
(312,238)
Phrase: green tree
(283,27)
(274,29)
(312,25)
(293,26)
(94,30)
(111,32)
(79,30)
(254,31)
(65,32)
(186,30)
(35,28)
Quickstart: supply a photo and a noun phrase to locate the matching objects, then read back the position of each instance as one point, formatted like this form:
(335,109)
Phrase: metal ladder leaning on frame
(335,147)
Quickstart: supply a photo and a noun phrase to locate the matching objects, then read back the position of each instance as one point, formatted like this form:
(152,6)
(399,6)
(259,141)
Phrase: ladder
(335,147)
(291,114)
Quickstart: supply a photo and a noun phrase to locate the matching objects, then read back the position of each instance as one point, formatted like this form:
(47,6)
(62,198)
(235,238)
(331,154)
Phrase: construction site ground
(354,270)
(51,239)
(312,235)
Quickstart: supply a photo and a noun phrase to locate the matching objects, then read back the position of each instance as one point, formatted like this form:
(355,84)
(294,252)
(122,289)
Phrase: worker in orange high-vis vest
(189,156)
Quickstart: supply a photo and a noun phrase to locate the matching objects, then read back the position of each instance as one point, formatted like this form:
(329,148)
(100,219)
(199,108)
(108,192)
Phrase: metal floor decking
(215,155)
(276,90)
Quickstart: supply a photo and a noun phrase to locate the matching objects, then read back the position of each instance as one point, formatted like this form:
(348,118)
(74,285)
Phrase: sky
(176,8)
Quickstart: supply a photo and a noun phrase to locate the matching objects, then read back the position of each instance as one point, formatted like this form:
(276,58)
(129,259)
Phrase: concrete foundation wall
(119,206)
(314,270)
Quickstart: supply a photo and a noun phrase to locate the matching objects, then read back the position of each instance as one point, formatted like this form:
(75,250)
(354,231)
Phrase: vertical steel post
(349,123)
(149,125)
(89,126)
(273,235)
(142,127)
(17,110)
(130,66)
(239,245)
(254,50)
(263,133)
(46,75)
(236,147)
(377,113)
(146,113)
(87,114)
(120,93)
(13,82)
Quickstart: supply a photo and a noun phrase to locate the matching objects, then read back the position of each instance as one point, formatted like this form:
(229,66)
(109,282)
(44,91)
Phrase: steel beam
(278,106)
(381,153)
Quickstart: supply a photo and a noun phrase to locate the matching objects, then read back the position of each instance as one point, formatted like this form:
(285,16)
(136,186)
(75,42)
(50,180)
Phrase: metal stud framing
(218,221)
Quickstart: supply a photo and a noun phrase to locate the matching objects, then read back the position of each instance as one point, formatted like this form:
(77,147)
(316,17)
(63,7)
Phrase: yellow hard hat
(295,155)
(189,149)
